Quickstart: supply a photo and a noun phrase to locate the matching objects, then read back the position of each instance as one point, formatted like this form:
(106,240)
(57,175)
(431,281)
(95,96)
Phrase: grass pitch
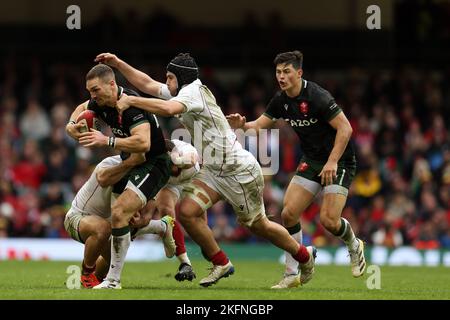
(251,281)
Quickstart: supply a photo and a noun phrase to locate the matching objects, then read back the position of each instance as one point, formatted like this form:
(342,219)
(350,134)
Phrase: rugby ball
(89,120)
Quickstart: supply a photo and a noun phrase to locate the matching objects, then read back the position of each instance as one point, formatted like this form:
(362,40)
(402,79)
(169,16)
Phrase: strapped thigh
(309,185)
(335,188)
(199,195)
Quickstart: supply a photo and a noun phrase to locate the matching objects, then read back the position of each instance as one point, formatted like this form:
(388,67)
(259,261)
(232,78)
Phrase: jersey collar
(303,94)
(119,92)
(303,90)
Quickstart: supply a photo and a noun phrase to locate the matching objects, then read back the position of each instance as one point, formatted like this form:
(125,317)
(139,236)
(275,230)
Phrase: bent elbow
(170,112)
(350,131)
(172,108)
(145,146)
(346,130)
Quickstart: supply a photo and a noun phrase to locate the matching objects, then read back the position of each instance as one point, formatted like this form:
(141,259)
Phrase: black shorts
(310,169)
(148,178)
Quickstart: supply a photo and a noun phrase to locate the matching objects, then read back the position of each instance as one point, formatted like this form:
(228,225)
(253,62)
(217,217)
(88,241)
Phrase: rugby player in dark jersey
(328,160)
(135,131)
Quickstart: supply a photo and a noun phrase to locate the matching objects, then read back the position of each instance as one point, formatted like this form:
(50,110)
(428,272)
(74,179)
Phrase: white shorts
(74,216)
(72,224)
(243,191)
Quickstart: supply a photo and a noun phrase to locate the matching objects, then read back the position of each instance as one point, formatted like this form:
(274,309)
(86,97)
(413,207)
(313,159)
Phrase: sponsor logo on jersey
(301,123)
(303,166)
(118,132)
(303,106)
(333,106)
(286,106)
(139,116)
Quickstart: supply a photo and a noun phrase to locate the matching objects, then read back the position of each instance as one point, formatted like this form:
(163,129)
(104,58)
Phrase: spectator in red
(30,170)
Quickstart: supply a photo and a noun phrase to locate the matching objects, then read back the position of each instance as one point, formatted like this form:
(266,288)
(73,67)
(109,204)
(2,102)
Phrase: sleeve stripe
(270,116)
(334,114)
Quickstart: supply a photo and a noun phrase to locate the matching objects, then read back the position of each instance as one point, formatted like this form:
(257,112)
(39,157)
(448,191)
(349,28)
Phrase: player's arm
(237,121)
(139,141)
(265,121)
(165,108)
(72,128)
(111,175)
(343,134)
(137,78)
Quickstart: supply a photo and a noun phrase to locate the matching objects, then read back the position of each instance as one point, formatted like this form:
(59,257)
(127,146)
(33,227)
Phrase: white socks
(346,234)
(183,258)
(154,227)
(119,248)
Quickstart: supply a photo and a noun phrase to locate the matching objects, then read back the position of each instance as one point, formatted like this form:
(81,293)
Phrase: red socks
(179,239)
(302,255)
(220,258)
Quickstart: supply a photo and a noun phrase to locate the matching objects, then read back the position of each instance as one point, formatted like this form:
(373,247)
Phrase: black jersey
(308,114)
(121,125)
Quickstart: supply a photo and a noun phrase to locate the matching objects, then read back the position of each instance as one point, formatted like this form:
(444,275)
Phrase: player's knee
(329,223)
(118,213)
(185,220)
(289,216)
(103,232)
(183,214)
(117,208)
(187,213)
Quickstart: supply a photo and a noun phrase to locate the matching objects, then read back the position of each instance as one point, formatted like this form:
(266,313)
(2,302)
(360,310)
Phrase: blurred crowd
(400,195)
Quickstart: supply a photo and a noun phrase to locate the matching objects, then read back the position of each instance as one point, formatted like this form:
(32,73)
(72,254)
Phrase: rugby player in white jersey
(229,172)
(89,219)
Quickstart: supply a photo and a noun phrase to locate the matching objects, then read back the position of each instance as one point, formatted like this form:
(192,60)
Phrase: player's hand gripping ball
(89,120)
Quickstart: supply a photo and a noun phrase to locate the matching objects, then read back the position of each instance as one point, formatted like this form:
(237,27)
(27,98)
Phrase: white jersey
(181,154)
(213,137)
(92,199)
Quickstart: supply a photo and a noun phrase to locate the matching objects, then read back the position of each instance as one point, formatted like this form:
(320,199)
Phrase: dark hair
(292,57)
(183,66)
(101,71)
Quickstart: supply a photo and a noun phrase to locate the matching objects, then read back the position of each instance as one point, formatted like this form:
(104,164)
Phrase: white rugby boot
(288,281)
(217,272)
(307,268)
(357,260)
(109,284)
(168,240)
